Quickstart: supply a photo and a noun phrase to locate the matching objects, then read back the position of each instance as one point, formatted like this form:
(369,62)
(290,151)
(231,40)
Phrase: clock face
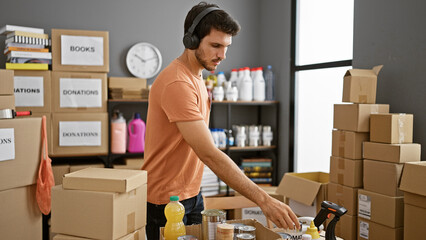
(143,60)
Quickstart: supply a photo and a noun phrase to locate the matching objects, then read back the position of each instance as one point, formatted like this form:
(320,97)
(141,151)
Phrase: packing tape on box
(342,140)
(131,220)
(362,98)
(136,235)
(339,190)
(341,163)
(401,133)
(340,178)
(374,109)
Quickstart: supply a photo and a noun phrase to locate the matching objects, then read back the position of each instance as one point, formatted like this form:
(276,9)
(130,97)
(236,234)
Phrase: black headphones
(189,40)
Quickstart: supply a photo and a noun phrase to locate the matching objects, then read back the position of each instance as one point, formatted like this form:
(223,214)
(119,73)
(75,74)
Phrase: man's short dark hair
(218,19)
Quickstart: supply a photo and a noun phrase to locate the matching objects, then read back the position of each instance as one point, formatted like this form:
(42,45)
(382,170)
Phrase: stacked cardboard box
(381,202)
(79,119)
(7,97)
(100,203)
(352,125)
(127,88)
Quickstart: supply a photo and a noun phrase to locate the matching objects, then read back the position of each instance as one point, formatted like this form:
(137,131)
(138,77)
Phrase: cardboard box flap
(414,178)
(302,187)
(364,72)
(105,179)
(377,69)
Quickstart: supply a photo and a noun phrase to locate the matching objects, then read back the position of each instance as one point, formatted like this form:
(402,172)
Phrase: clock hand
(140,58)
(150,58)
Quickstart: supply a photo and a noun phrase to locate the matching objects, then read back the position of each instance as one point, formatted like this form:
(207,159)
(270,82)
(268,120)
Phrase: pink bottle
(118,133)
(136,135)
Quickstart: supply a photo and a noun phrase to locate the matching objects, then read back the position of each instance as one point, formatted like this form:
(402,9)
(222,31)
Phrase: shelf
(246,102)
(116,155)
(242,149)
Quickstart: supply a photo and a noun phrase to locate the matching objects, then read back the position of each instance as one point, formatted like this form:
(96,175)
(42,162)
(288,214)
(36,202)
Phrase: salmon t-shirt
(173,167)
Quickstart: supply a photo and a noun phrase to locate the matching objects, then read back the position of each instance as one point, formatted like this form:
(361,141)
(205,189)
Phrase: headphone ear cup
(187,40)
(195,42)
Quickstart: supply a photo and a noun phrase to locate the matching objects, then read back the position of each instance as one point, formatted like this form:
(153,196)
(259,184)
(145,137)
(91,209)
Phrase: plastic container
(118,133)
(259,85)
(222,138)
(136,130)
(234,77)
(218,93)
(174,212)
(232,92)
(269,83)
(246,92)
(221,79)
(267,136)
(212,78)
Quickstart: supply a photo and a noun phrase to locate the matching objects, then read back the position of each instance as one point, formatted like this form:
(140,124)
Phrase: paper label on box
(80,92)
(7,144)
(29,91)
(363,229)
(254,213)
(84,133)
(364,206)
(82,50)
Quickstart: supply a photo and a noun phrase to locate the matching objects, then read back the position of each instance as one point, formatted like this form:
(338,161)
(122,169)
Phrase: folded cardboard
(414,220)
(98,215)
(304,192)
(346,172)
(105,179)
(369,230)
(356,117)
(59,171)
(382,177)
(19,152)
(346,227)
(127,83)
(6,82)
(79,134)
(395,153)
(391,128)
(77,167)
(381,209)
(7,102)
(413,179)
(360,85)
(80,50)
(347,144)
(262,233)
(136,235)
(48,127)
(33,91)
(20,216)
(344,196)
(78,92)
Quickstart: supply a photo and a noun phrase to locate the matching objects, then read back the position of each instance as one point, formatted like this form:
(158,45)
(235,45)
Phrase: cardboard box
(262,233)
(98,215)
(304,192)
(7,102)
(395,153)
(391,128)
(413,184)
(344,196)
(77,92)
(347,144)
(346,227)
(105,179)
(59,171)
(346,172)
(79,134)
(127,83)
(356,117)
(20,152)
(39,115)
(80,50)
(382,177)
(369,230)
(360,85)
(6,82)
(77,167)
(136,235)
(33,91)
(20,216)
(381,209)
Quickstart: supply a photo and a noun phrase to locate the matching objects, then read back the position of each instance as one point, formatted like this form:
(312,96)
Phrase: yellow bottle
(313,231)
(212,78)
(174,212)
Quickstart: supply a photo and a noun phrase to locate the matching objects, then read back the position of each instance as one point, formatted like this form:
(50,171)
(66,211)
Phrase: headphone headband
(199,17)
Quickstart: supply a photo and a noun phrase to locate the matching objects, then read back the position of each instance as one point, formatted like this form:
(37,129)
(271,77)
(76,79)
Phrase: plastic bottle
(240,80)
(259,85)
(222,138)
(234,76)
(221,79)
(232,92)
(246,92)
(174,212)
(313,231)
(269,82)
(230,138)
(136,130)
(212,78)
(118,133)
(215,136)
(218,93)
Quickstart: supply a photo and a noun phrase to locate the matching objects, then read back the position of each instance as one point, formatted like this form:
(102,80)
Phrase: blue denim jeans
(156,218)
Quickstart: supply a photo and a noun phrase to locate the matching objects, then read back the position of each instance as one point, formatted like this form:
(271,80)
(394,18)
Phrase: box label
(254,213)
(7,144)
(84,133)
(364,206)
(29,91)
(80,92)
(82,50)
(363,229)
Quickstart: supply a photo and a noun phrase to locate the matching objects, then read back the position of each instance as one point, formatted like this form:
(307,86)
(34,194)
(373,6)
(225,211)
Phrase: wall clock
(143,60)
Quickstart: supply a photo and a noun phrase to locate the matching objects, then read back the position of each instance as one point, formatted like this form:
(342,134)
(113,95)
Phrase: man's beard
(199,55)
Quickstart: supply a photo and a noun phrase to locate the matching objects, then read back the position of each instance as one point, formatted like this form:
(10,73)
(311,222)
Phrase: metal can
(237,228)
(247,229)
(187,237)
(211,217)
(284,235)
(245,236)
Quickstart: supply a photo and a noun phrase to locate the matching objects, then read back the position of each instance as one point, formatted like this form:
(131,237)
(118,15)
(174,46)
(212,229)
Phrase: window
(322,49)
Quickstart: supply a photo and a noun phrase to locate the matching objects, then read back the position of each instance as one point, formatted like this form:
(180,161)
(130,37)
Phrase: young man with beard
(178,141)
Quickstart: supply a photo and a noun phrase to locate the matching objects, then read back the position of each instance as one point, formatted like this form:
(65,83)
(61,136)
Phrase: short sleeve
(180,102)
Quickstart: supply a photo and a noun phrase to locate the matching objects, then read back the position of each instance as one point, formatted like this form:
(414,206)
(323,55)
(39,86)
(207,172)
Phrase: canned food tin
(245,236)
(284,235)
(211,217)
(187,237)
(237,228)
(248,229)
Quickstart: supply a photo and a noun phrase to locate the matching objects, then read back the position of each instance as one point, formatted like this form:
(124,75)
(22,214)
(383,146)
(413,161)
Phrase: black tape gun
(328,208)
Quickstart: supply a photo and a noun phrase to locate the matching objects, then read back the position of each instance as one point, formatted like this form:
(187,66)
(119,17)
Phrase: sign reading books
(82,50)
(80,92)
(80,133)
(29,91)
(7,144)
